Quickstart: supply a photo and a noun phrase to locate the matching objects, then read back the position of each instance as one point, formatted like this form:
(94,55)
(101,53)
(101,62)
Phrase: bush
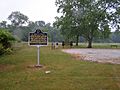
(1,49)
(5,41)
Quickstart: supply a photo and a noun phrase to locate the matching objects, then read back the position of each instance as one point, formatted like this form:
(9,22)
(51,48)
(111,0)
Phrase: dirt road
(97,55)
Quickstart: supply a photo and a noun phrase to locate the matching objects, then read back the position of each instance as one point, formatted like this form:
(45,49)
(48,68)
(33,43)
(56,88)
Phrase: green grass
(66,73)
(99,45)
(94,45)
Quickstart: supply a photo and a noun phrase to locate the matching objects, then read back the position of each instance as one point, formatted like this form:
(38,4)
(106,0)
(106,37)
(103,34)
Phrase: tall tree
(90,18)
(18,19)
(66,22)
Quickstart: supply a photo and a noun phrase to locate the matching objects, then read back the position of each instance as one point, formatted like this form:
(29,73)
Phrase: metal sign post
(38,38)
(38,57)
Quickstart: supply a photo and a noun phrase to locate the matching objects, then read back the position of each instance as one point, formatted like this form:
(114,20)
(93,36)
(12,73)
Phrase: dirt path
(97,55)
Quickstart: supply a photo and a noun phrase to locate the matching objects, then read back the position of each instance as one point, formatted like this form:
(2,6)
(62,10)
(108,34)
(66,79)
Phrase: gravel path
(97,55)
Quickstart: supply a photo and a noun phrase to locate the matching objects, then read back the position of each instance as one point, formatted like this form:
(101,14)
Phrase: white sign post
(38,62)
(38,38)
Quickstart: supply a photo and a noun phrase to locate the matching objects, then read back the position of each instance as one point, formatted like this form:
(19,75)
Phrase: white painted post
(38,61)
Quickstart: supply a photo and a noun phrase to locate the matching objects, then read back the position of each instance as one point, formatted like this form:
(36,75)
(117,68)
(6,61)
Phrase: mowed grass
(99,45)
(66,72)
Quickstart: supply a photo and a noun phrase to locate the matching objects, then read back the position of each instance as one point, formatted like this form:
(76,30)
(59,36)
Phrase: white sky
(36,10)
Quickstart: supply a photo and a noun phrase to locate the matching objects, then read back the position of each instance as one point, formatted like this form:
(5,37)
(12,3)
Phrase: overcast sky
(35,9)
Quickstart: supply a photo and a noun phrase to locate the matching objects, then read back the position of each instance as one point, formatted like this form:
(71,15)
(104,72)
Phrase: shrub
(1,49)
(5,40)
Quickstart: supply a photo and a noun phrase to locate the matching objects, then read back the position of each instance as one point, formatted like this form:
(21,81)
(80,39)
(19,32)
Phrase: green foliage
(1,49)
(17,19)
(88,18)
(3,24)
(5,41)
(115,36)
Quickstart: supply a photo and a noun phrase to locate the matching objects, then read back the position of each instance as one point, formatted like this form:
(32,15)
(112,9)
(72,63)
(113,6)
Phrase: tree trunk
(89,44)
(77,40)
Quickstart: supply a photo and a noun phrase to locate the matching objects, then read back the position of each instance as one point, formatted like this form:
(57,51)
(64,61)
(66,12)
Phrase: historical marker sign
(38,38)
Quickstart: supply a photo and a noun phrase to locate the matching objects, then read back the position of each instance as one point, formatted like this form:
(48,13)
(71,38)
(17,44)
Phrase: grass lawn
(66,73)
(99,45)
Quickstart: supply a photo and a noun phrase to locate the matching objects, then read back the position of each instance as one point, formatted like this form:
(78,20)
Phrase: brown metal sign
(38,38)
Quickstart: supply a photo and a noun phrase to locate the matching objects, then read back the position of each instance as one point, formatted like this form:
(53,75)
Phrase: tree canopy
(18,19)
(88,18)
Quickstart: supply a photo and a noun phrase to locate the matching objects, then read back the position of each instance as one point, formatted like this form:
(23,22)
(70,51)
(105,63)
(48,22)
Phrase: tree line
(20,26)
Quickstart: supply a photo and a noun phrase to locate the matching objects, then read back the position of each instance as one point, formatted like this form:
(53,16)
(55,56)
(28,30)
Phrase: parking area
(96,55)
